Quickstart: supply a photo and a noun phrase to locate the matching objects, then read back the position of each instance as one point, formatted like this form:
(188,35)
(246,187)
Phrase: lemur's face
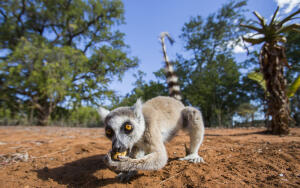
(124,126)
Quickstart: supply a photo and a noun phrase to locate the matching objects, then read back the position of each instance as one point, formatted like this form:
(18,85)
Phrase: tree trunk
(31,115)
(252,120)
(272,61)
(207,118)
(219,116)
(44,110)
(43,117)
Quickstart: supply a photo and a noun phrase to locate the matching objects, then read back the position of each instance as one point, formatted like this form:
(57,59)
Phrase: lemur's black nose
(118,146)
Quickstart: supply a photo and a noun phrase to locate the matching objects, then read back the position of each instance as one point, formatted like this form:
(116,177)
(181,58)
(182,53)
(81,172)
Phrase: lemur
(138,132)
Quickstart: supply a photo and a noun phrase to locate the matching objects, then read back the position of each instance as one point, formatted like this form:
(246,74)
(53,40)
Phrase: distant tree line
(59,57)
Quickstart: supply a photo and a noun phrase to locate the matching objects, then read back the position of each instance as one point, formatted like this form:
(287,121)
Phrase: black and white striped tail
(172,79)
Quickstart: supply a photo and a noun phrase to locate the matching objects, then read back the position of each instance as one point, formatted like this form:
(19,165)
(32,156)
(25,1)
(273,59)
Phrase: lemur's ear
(103,113)
(137,108)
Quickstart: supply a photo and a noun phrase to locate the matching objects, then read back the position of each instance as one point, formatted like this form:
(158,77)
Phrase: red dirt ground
(71,157)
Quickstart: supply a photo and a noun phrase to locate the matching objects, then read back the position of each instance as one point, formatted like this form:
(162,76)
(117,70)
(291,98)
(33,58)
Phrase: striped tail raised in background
(172,79)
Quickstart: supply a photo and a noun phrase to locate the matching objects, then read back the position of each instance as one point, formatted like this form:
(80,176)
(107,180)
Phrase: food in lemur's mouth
(118,154)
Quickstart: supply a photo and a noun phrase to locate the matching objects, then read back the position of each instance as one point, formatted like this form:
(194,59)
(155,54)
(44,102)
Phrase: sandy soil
(71,157)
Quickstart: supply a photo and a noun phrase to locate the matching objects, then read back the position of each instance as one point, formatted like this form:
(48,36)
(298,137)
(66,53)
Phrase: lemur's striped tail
(172,79)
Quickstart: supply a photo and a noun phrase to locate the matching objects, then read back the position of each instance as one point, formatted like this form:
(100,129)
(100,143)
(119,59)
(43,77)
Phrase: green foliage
(143,90)
(258,77)
(211,79)
(218,34)
(291,90)
(292,48)
(294,87)
(216,90)
(62,22)
(85,116)
(60,53)
(246,110)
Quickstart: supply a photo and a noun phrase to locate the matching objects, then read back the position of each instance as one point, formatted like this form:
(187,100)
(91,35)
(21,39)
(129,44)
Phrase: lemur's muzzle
(118,150)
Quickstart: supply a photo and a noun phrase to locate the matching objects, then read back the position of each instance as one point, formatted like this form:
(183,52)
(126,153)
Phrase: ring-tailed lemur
(138,132)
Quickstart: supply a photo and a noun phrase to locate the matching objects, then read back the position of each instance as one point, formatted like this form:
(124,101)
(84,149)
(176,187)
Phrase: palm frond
(274,16)
(288,18)
(259,78)
(254,41)
(257,22)
(294,18)
(252,27)
(260,18)
(288,28)
(297,30)
(281,39)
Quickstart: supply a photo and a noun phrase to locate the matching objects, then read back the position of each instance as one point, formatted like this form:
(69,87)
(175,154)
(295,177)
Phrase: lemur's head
(124,126)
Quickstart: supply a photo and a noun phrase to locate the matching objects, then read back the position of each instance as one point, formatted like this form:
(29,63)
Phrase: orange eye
(128,127)
(108,131)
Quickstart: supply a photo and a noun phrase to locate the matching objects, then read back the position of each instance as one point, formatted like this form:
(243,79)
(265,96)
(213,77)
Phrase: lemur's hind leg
(193,123)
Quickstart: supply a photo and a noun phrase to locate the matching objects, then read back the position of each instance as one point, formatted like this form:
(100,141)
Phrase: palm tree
(272,61)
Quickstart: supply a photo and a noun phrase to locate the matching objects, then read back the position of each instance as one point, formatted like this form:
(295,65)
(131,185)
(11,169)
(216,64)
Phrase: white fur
(169,69)
(138,108)
(174,88)
(172,79)
(103,112)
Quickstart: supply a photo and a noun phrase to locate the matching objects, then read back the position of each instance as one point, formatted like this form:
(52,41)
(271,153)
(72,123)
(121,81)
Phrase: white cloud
(240,47)
(288,5)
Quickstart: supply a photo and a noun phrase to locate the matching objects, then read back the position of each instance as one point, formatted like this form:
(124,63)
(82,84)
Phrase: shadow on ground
(78,173)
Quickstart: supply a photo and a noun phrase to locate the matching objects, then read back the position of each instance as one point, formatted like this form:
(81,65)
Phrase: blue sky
(146,19)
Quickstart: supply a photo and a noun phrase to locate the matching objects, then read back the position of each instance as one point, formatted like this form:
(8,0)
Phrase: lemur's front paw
(109,162)
(194,158)
(107,158)
(113,165)
(126,176)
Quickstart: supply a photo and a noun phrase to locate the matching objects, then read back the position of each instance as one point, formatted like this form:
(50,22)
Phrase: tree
(247,111)
(60,53)
(272,61)
(292,75)
(216,90)
(210,79)
(143,90)
(292,47)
